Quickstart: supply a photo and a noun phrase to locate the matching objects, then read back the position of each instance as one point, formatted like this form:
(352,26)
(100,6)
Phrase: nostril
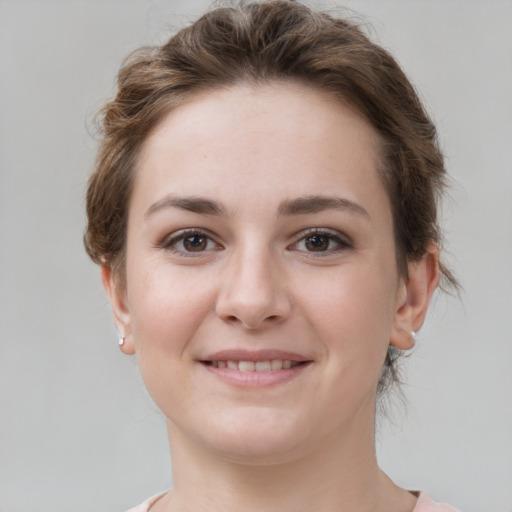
(253,323)
(252,308)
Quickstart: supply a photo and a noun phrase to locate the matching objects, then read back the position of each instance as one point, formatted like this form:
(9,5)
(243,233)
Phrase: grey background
(77,430)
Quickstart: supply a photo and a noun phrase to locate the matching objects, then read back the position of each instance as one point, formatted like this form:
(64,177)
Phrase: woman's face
(262,288)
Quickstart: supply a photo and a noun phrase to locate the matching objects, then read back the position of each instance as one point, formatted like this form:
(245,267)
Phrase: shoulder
(144,506)
(425,504)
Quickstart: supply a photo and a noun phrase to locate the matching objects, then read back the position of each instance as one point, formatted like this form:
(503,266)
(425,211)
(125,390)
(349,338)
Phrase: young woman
(263,209)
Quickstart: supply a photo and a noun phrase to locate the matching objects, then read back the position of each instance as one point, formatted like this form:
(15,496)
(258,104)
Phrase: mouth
(255,369)
(271,365)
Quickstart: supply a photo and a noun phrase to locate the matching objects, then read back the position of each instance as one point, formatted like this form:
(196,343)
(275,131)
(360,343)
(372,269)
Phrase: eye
(190,242)
(321,241)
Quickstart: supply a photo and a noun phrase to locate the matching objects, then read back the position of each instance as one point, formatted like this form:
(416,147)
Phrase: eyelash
(170,243)
(341,243)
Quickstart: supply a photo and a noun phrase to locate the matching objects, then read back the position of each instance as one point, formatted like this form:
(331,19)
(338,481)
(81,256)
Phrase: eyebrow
(298,206)
(193,204)
(314,204)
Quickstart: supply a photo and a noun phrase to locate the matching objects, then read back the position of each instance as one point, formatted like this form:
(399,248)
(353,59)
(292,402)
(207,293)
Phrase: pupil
(317,243)
(195,243)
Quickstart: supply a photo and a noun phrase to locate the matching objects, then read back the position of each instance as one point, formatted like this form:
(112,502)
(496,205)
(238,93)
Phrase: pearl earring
(121,341)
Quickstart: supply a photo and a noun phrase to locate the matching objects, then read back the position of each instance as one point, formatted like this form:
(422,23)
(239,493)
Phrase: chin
(256,436)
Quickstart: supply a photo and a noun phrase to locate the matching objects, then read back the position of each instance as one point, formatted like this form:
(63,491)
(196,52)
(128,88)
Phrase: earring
(121,341)
(414,334)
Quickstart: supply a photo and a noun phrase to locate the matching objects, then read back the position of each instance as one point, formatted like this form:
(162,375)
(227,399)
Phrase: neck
(345,477)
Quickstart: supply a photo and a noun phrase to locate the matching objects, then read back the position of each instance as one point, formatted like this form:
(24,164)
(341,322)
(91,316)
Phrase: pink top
(424,504)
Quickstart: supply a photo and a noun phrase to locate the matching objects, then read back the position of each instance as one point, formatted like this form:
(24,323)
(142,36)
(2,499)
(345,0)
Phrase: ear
(414,298)
(117,297)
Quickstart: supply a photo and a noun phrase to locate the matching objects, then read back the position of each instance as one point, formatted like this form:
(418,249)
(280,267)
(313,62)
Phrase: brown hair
(262,42)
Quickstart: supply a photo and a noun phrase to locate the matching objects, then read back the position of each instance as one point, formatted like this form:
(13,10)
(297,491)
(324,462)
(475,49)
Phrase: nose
(253,292)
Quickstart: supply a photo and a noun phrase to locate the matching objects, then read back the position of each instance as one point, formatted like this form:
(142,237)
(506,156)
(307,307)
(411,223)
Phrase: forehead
(288,107)
(284,138)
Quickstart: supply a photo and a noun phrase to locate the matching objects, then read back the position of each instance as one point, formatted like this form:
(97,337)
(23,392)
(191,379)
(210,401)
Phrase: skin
(253,276)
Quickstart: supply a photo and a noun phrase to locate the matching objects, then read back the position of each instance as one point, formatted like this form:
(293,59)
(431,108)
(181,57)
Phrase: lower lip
(256,379)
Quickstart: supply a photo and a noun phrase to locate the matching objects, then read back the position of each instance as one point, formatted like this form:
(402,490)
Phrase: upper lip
(254,355)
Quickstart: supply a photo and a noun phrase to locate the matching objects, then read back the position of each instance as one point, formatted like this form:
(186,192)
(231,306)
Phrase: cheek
(166,307)
(354,315)
(166,310)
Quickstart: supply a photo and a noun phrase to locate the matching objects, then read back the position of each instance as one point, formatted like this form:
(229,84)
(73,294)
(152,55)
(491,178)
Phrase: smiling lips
(256,366)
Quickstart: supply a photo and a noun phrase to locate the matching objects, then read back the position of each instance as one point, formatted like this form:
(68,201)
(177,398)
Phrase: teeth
(276,364)
(246,366)
(258,366)
(262,366)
